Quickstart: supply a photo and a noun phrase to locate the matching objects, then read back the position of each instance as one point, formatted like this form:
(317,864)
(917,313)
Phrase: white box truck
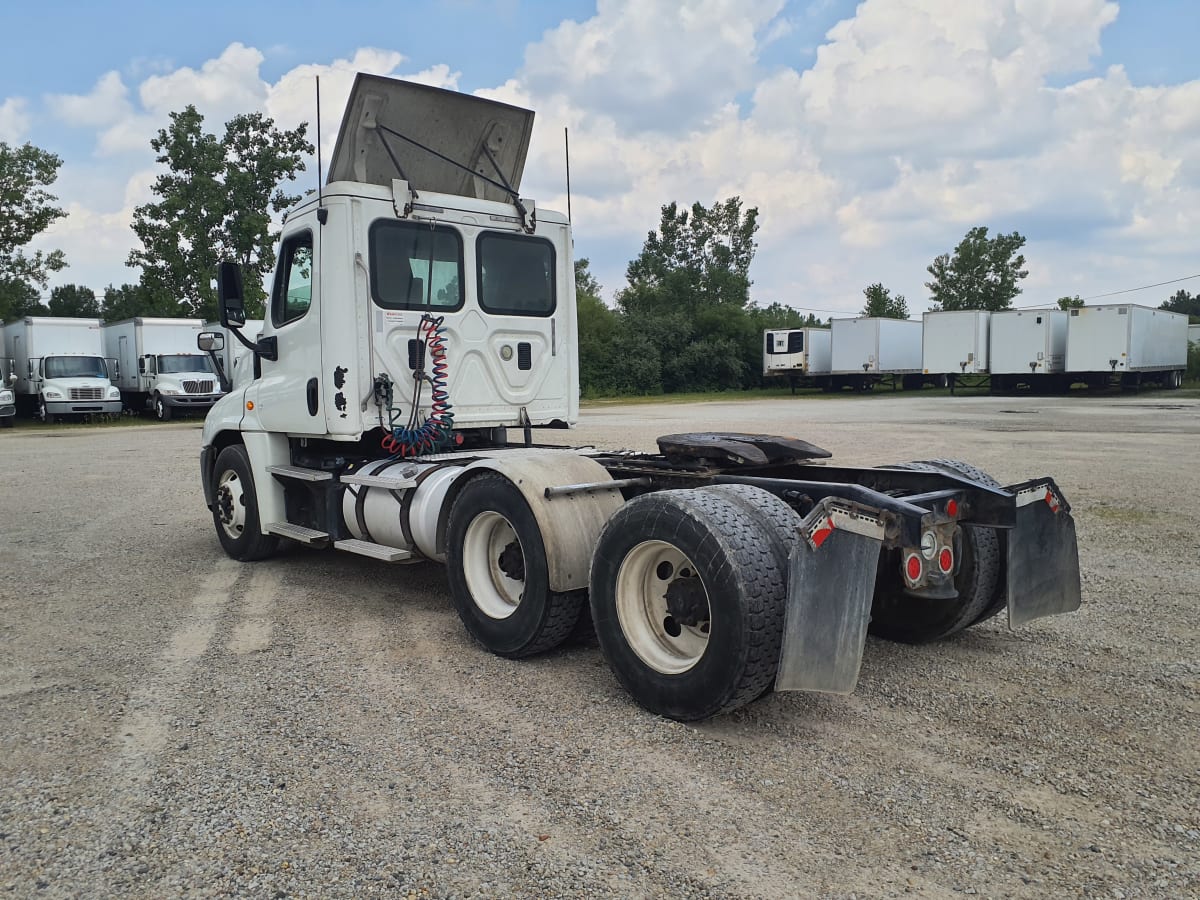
(159,367)
(8,383)
(867,350)
(802,355)
(61,368)
(1029,346)
(415,324)
(1127,343)
(954,343)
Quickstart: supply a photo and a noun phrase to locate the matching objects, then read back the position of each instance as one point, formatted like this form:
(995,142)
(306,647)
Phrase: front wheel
(688,599)
(235,508)
(162,412)
(44,413)
(499,578)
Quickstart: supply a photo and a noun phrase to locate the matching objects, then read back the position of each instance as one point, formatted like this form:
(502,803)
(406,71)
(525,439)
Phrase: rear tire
(978,578)
(498,574)
(687,599)
(235,508)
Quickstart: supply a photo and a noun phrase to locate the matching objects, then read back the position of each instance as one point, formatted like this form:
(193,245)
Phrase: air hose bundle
(413,439)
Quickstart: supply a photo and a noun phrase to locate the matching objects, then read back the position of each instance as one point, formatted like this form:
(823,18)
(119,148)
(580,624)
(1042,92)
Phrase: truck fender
(267,449)
(570,525)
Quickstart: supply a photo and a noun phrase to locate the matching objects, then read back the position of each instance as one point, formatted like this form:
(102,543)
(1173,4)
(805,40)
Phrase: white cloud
(105,104)
(14,120)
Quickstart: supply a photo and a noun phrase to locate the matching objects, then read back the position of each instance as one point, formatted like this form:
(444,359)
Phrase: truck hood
(465,128)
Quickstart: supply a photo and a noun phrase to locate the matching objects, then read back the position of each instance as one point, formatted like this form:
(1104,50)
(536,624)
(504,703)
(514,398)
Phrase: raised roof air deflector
(396,129)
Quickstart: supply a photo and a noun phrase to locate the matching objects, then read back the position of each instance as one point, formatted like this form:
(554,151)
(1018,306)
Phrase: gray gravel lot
(320,724)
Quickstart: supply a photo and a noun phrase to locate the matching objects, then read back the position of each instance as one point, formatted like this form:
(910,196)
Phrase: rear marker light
(912,567)
(952,509)
(946,559)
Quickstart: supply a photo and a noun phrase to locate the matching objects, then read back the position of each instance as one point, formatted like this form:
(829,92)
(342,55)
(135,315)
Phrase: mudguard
(831,583)
(1043,556)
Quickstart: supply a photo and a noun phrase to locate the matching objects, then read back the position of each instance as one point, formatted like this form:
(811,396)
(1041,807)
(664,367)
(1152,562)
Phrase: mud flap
(831,583)
(1043,556)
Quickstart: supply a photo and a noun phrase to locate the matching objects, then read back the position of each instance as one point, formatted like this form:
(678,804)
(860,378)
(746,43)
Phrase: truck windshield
(184,362)
(75,367)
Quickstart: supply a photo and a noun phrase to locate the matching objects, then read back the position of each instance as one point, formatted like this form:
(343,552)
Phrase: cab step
(296,532)
(373,550)
(379,481)
(299,473)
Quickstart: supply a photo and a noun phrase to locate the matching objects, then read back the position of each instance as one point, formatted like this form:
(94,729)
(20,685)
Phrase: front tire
(162,412)
(688,601)
(44,415)
(498,574)
(235,508)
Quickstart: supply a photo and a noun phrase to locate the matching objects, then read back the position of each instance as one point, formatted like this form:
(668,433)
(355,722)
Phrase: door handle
(312,396)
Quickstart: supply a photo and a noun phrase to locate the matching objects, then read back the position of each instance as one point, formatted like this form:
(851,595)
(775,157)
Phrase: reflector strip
(823,531)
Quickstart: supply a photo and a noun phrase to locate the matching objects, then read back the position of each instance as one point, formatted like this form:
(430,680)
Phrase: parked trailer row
(1124,344)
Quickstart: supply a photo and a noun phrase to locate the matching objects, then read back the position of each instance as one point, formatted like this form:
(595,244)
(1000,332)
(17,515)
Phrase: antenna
(567,154)
(322,215)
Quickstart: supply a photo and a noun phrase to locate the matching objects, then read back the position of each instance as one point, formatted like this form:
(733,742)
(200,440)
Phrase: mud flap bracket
(831,583)
(1043,556)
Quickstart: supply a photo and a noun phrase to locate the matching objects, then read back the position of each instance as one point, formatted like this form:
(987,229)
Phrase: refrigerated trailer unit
(61,367)
(801,355)
(159,367)
(868,350)
(416,324)
(1126,344)
(1028,347)
(954,343)
(8,383)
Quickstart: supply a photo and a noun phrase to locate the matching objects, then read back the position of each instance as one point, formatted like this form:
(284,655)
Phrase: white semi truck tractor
(423,313)
(159,367)
(61,367)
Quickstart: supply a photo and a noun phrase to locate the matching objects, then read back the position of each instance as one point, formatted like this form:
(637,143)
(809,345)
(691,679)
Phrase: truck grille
(198,387)
(87,393)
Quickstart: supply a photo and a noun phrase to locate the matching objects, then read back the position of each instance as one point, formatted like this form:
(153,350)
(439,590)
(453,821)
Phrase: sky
(871,136)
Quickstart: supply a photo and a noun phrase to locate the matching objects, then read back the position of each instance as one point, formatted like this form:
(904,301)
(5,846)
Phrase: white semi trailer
(1128,344)
(868,350)
(8,380)
(801,355)
(1029,347)
(159,367)
(954,344)
(422,311)
(61,367)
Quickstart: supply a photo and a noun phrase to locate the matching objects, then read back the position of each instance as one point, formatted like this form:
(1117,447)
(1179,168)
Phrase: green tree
(131,300)
(776,315)
(687,299)
(1070,302)
(982,273)
(26,210)
(215,201)
(881,303)
(19,298)
(74,300)
(1183,302)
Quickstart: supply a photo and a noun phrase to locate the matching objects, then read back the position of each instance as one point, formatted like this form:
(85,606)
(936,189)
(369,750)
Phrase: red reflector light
(946,559)
(912,567)
(952,509)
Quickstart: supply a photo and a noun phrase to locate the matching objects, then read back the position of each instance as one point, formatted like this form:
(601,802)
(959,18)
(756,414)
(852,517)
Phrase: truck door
(288,396)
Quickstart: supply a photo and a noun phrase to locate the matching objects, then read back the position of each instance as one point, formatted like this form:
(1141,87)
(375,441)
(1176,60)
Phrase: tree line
(683,321)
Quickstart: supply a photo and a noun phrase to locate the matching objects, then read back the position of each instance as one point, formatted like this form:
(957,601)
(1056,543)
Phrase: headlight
(168,390)
(6,396)
(114,393)
(53,395)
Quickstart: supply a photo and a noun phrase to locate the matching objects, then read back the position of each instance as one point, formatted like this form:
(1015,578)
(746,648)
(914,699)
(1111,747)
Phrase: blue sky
(1069,120)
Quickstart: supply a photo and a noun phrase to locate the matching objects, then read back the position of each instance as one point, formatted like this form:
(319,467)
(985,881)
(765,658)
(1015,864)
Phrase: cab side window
(292,293)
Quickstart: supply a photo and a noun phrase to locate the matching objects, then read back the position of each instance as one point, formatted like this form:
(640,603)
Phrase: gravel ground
(320,724)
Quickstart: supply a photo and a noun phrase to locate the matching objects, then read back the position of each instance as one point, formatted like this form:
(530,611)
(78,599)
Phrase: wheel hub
(687,602)
(512,561)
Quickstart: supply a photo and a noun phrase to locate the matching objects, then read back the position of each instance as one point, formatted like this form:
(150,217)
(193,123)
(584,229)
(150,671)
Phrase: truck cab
(8,402)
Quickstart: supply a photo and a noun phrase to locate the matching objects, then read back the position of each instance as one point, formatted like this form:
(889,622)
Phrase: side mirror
(142,366)
(30,372)
(210,341)
(230,296)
